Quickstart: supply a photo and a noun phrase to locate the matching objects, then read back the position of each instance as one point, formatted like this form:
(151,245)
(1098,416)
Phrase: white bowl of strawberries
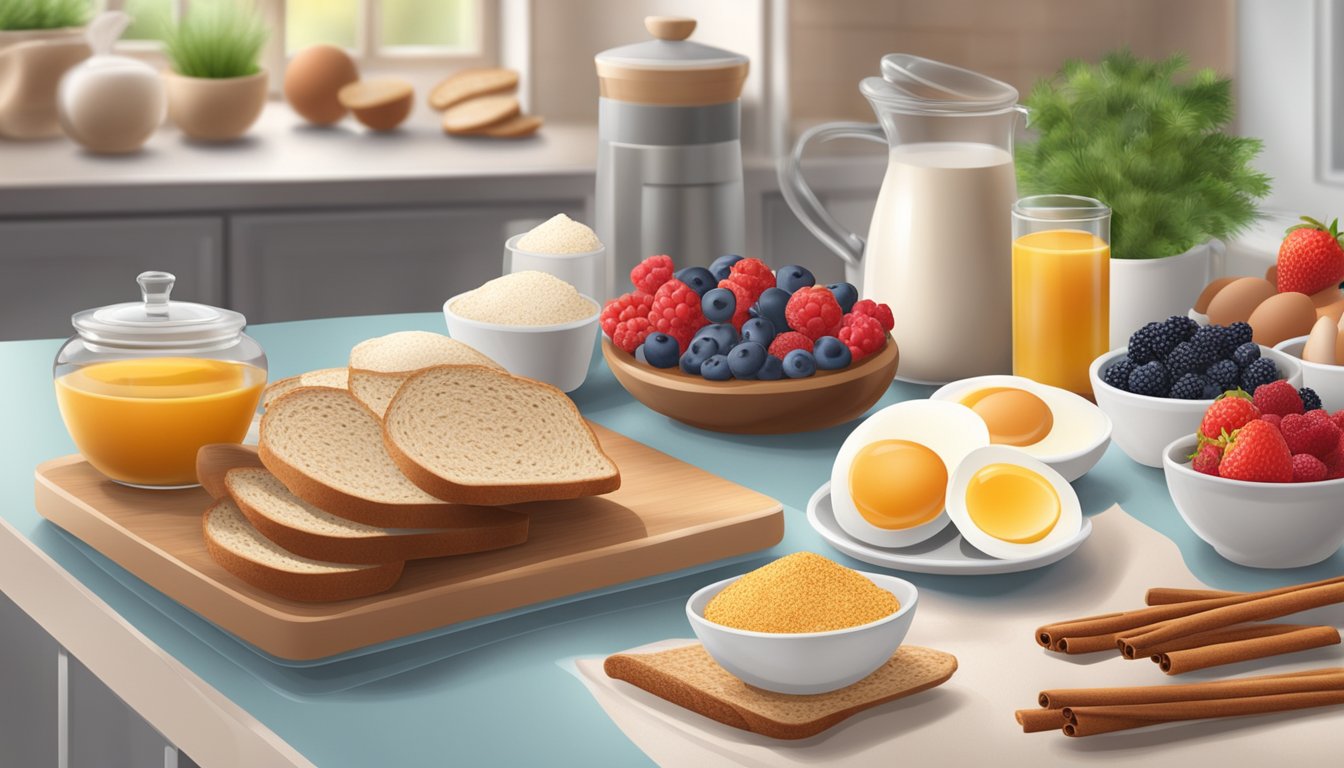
(1262,481)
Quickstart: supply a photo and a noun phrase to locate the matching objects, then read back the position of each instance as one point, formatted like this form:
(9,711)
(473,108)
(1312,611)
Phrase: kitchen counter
(495,694)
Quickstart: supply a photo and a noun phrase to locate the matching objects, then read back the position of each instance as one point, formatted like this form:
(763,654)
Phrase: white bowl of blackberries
(1157,388)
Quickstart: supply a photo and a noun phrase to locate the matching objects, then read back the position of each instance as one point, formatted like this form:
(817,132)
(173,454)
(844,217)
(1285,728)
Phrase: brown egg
(1326,297)
(314,79)
(380,104)
(1282,316)
(1333,311)
(1238,299)
(1272,275)
(1211,290)
(1320,346)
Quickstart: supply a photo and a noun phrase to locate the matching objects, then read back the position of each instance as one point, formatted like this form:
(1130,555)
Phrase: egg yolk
(897,484)
(1012,503)
(1014,416)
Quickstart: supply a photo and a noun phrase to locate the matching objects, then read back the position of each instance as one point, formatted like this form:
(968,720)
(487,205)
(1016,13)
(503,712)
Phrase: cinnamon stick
(1049,634)
(1037,720)
(1226,635)
(1094,643)
(1190,659)
(1329,678)
(1090,721)
(1255,609)
(1170,595)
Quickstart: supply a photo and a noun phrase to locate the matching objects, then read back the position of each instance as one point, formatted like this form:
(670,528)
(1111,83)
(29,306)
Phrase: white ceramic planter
(32,62)
(208,109)
(1143,290)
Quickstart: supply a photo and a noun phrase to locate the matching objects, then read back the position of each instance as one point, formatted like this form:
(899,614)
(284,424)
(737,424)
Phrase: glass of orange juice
(1061,288)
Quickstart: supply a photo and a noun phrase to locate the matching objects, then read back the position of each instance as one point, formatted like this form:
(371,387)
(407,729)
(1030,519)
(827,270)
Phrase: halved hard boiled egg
(1061,428)
(1010,505)
(889,481)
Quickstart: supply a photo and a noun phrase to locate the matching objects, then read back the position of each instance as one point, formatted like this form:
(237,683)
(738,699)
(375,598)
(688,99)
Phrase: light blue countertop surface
(494,694)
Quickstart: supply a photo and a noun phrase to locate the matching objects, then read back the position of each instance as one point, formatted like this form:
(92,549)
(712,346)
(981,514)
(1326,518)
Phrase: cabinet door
(53,268)
(299,266)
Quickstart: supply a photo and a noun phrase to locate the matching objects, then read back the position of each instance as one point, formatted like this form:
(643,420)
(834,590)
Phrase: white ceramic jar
(110,104)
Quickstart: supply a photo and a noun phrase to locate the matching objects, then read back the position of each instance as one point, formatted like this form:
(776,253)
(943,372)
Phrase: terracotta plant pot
(210,109)
(32,62)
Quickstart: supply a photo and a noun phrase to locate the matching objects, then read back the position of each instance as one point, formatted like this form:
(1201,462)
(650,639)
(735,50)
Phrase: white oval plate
(946,553)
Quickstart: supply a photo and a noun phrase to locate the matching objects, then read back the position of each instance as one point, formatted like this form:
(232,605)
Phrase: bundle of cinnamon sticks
(1091,711)
(1187,629)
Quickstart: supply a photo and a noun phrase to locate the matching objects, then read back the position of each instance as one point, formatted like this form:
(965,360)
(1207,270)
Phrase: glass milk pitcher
(939,246)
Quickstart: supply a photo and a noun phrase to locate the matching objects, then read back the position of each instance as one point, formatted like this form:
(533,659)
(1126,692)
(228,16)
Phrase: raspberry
(862,334)
(676,312)
(788,341)
(1205,461)
(814,312)
(1275,419)
(881,312)
(754,275)
(651,273)
(1277,397)
(1313,433)
(1308,468)
(629,334)
(1338,418)
(744,299)
(624,307)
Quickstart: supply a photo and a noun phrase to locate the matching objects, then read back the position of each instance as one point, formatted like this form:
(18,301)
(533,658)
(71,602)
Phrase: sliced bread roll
(483,436)
(241,550)
(327,448)
(378,366)
(326,377)
(305,530)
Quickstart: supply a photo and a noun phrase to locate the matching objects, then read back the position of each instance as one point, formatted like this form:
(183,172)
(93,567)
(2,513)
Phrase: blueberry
(724,334)
(661,350)
(1117,375)
(1310,400)
(698,278)
(759,330)
(718,304)
(1245,354)
(716,368)
(723,266)
(771,307)
(1149,379)
(846,295)
(799,364)
(701,350)
(771,370)
(1189,387)
(1259,372)
(831,353)
(793,277)
(746,359)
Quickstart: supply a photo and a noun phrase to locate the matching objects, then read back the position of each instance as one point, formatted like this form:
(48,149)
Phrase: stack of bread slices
(415,451)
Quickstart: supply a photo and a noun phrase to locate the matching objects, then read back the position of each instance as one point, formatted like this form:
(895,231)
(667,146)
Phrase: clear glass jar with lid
(142,385)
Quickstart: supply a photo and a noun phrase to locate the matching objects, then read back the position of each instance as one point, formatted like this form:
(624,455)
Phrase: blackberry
(1211,391)
(1259,372)
(1183,359)
(1240,333)
(1245,354)
(1224,374)
(1149,379)
(1179,327)
(1188,387)
(1148,343)
(1310,400)
(1209,341)
(1118,374)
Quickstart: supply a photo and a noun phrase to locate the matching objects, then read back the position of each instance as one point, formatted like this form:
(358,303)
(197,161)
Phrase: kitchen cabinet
(52,268)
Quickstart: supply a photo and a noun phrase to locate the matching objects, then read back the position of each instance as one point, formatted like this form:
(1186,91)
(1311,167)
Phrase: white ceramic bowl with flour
(564,248)
(532,323)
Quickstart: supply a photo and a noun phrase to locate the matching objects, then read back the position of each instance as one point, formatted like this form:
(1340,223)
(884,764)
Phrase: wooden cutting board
(667,516)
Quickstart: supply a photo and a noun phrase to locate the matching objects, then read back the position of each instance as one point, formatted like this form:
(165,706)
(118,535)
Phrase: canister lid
(156,322)
(670,69)
(916,84)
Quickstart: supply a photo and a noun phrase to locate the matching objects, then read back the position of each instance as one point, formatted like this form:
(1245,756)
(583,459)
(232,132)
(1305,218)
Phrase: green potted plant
(39,41)
(216,89)
(1146,138)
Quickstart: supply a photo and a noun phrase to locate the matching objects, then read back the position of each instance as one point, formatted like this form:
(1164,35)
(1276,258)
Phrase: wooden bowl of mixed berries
(1262,479)
(737,347)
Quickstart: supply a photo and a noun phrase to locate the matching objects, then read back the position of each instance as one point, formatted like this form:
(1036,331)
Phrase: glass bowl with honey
(142,385)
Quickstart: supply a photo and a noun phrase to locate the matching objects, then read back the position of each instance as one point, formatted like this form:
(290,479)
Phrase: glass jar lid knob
(155,287)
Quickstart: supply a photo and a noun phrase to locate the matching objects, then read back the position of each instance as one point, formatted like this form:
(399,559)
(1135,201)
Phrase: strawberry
(1311,257)
(1307,468)
(1277,397)
(1206,459)
(1313,433)
(1257,453)
(1230,411)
